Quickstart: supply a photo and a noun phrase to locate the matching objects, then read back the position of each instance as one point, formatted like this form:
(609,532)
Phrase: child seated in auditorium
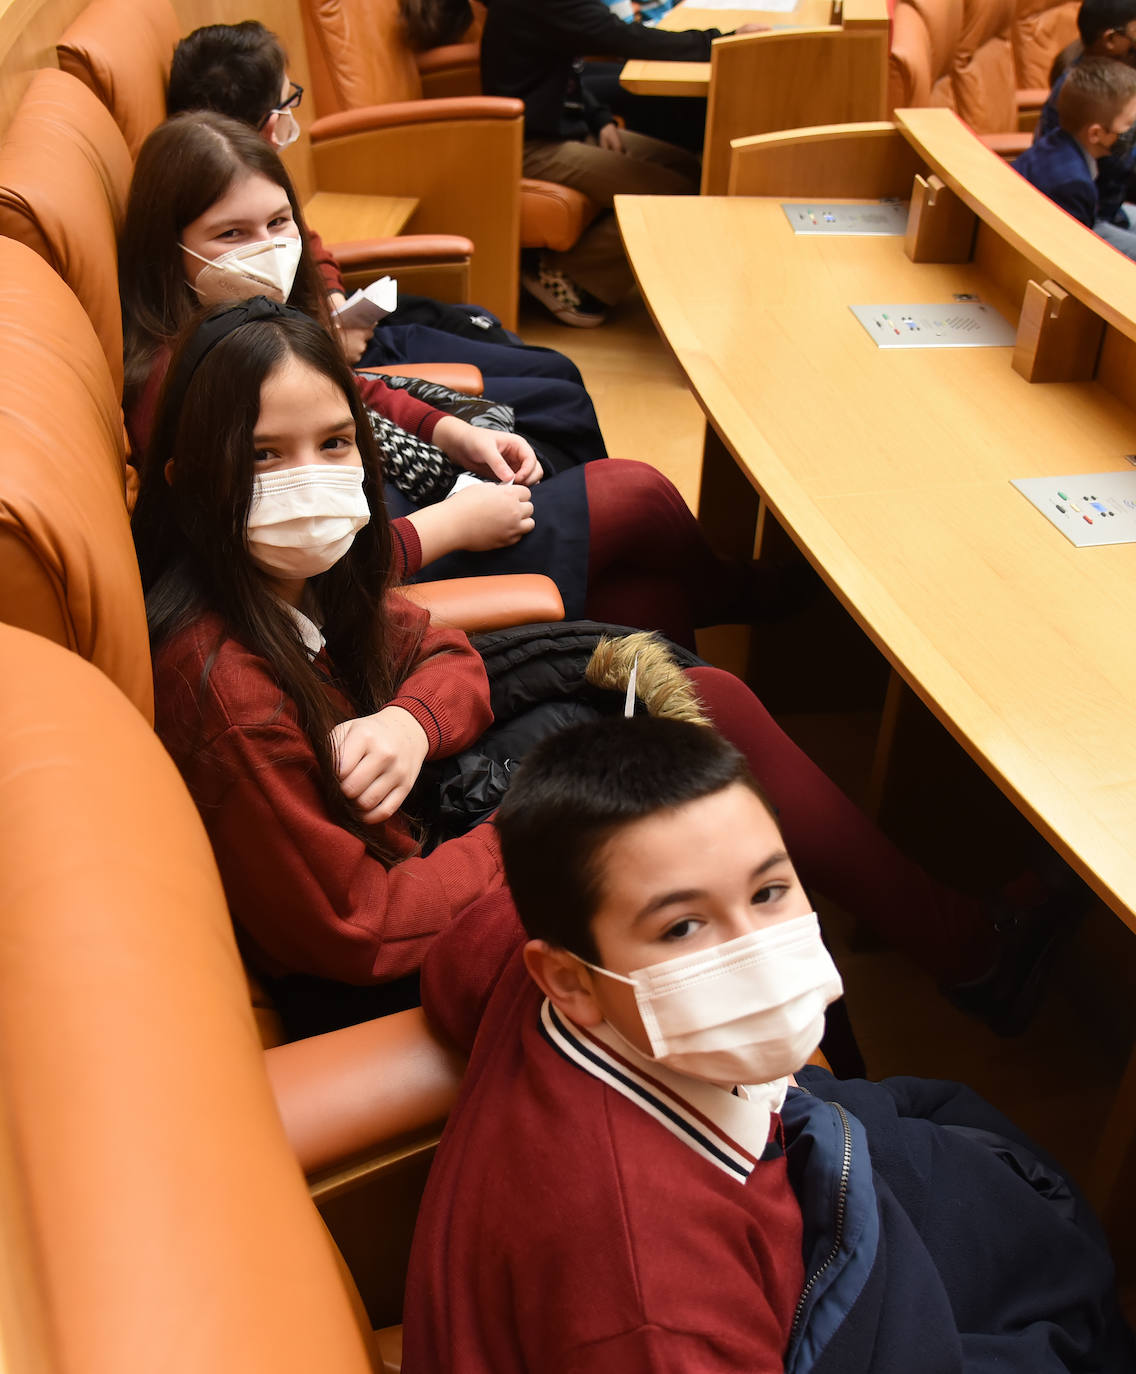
(1096,109)
(1106,28)
(640,1175)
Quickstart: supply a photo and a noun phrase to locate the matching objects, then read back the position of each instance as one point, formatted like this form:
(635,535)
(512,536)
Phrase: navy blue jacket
(1058,166)
(949,1245)
(1114,172)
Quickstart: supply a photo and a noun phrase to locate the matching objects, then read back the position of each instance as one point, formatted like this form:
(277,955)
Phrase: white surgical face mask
(266,268)
(747,1011)
(303,520)
(285,134)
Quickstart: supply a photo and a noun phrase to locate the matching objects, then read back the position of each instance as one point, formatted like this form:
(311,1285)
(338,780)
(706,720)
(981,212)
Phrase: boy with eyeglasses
(641,1178)
(1096,107)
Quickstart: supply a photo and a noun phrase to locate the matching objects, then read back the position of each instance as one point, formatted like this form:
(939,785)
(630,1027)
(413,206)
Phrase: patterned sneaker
(560,294)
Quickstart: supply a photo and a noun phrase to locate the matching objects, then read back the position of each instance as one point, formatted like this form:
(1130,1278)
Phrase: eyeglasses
(295,95)
(290,102)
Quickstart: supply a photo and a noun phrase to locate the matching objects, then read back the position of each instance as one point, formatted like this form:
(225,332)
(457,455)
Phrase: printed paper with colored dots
(876,217)
(961,324)
(1096,509)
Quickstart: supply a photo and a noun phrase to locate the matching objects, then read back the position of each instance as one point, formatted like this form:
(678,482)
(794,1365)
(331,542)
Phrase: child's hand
(493,517)
(488,452)
(378,759)
(610,138)
(353,341)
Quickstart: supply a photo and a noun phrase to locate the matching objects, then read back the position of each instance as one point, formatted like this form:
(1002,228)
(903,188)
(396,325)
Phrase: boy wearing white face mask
(639,1174)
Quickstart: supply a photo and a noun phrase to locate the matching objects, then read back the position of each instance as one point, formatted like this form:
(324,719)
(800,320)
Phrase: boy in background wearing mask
(640,1175)
(1107,28)
(1096,107)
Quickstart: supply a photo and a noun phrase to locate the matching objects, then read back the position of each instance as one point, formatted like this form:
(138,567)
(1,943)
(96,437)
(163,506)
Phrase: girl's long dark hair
(190,536)
(185,166)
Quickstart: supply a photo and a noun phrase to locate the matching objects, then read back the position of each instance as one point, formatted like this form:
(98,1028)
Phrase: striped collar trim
(730,1132)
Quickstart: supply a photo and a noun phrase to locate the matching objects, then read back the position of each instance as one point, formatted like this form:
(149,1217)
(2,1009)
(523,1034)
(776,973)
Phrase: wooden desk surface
(693,78)
(341,217)
(891,469)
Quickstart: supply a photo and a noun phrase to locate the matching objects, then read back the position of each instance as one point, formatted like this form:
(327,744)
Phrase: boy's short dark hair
(1095,91)
(1095,18)
(234,69)
(577,789)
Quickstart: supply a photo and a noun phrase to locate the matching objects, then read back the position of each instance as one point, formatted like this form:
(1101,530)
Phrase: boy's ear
(268,128)
(168,472)
(564,981)
(1094,133)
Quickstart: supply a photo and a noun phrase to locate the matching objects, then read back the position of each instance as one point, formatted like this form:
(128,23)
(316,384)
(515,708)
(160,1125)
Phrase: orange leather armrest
(448,57)
(479,604)
(369,1085)
(403,112)
(463,377)
(407,250)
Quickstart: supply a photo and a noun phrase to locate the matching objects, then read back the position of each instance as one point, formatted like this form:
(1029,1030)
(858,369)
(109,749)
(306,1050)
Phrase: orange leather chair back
(925,37)
(64,176)
(67,565)
(358,55)
(1041,29)
(122,54)
(163,1220)
(985,81)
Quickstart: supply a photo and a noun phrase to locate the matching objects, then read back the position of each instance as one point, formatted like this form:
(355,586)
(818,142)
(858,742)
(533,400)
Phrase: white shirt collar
(310,632)
(730,1129)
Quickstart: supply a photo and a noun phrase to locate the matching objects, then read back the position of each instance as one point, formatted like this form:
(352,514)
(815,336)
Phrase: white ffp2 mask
(303,520)
(747,1011)
(266,268)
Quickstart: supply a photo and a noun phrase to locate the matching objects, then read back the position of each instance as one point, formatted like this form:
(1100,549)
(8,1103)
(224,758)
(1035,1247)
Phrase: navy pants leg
(419,343)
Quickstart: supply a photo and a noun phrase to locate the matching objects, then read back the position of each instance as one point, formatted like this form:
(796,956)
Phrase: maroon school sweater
(565,1229)
(306,895)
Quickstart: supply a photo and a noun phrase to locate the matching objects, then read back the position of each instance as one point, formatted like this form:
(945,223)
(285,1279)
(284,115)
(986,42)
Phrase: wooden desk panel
(693,78)
(892,471)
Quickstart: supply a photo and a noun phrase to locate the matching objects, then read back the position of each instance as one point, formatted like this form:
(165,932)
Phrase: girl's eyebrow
(241,221)
(259,436)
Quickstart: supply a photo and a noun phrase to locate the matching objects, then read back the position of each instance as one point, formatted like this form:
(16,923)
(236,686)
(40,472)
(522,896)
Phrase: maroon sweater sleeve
(306,894)
(406,548)
(325,261)
(407,411)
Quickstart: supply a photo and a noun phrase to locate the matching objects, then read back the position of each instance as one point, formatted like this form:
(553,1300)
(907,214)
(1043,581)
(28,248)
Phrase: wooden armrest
(407,250)
(463,377)
(1007,145)
(366,1086)
(403,112)
(480,604)
(1032,97)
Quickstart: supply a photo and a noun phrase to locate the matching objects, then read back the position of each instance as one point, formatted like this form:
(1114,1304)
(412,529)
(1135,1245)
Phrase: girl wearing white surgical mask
(297,691)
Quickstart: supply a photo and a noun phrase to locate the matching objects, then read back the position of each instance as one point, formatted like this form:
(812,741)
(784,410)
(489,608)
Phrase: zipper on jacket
(841,1204)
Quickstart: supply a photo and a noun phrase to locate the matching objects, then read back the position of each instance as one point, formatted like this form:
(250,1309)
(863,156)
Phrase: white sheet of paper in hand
(369,305)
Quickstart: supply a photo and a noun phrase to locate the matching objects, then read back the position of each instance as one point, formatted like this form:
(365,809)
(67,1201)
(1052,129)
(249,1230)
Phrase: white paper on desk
(1089,508)
(769,6)
(369,305)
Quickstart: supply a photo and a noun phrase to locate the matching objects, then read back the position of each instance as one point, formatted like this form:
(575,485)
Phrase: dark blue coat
(950,1245)
(1058,166)
(1113,172)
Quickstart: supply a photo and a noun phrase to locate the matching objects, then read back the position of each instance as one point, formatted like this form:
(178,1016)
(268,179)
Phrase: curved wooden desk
(891,469)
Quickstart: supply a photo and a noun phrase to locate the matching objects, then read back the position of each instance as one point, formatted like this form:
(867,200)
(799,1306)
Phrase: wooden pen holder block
(1059,338)
(940,227)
